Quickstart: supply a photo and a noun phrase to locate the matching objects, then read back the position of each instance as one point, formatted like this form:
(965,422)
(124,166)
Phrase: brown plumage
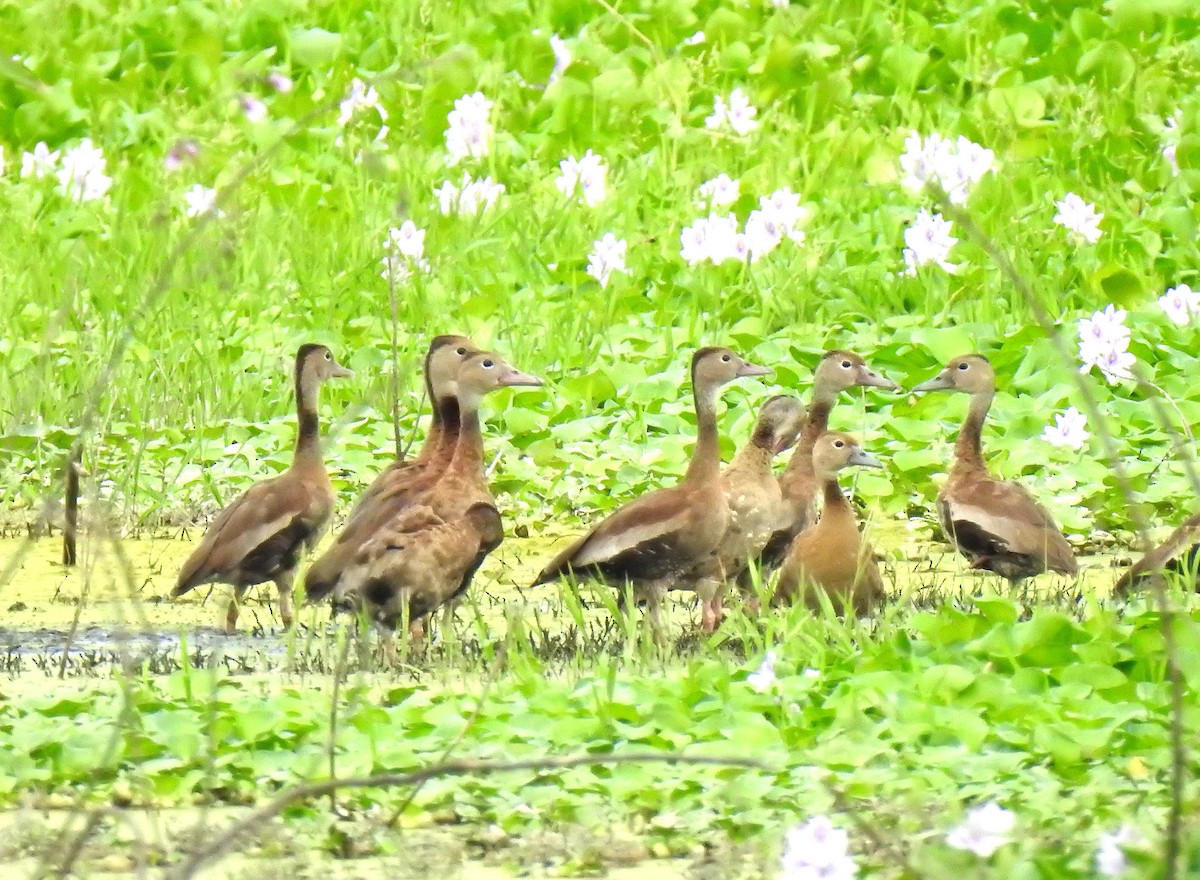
(402,482)
(838,371)
(423,555)
(666,539)
(756,507)
(831,557)
(260,536)
(996,524)
(1180,554)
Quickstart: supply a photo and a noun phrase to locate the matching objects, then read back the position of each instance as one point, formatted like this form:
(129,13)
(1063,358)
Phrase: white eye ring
(328,356)
(846,365)
(487,365)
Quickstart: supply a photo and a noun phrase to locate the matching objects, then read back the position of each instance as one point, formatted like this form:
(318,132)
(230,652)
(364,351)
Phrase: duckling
(656,542)
(756,507)
(996,524)
(407,479)
(260,536)
(838,371)
(1180,553)
(394,531)
(831,556)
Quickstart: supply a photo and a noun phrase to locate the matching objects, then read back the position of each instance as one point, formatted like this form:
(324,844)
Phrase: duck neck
(836,505)
(816,425)
(968,448)
(757,454)
(443,431)
(706,458)
(468,448)
(308,436)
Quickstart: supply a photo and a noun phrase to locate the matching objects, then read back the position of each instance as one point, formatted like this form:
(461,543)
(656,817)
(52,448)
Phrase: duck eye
(838,443)
(328,356)
(725,358)
(487,365)
(964,366)
(461,351)
(846,365)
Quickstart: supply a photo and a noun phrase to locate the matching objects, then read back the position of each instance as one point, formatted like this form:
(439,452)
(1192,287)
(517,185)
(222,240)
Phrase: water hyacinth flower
(607,257)
(720,191)
(1069,430)
(470,129)
(1104,343)
(180,153)
(985,830)
(81,177)
(361,97)
(738,113)
(199,200)
(405,251)
(39,162)
(695,39)
(1110,855)
(955,166)
(562,57)
(1180,303)
(255,110)
(713,238)
(818,850)
(280,82)
(470,197)
(763,678)
(928,240)
(589,174)
(1078,217)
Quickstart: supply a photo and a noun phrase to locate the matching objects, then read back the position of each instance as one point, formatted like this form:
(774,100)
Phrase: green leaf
(315,47)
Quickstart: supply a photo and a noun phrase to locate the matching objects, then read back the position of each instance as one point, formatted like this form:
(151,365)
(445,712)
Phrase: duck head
(969,373)
(446,354)
(840,370)
(484,372)
(835,451)
(780,421)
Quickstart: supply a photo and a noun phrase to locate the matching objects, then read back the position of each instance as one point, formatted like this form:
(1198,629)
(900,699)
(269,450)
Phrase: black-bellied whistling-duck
(756,507)
(1180,554)
(838,371)
(996,524)
(402,481)
(831,557)
(667,537)
(398,537)
(260,536)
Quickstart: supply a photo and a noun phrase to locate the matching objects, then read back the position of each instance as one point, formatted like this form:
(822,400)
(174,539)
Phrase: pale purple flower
(562,57)
(985,830)
(818,850)
(1104,343)
(280,82)
(38,163)
(470,129)
(588,174)
(255,110)
(469,197)
(1078,217)
(405,250)
(82,177)
(955,166)
(763,234)
(1069,429)
(763,678)
(738,113)
(1180,303)
(361,97)
(695,39)
(199,200)
(714,238)
(180,153)
(607,257)
(720,191)
(1110,854)
(928,240)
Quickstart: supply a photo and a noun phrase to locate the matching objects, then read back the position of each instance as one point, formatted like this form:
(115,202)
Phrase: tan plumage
(261,535)
(831,557)
(1180,553)
(996,524)
(666,539)
(402,482)
(422,555)
(838,371)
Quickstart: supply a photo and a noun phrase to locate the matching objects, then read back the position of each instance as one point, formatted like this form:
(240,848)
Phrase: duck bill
(749,369)
(940,382)
(874,380)
(863,459)
(517,378)
(340,372)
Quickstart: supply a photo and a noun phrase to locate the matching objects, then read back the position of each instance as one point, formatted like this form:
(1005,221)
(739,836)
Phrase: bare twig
(71,502)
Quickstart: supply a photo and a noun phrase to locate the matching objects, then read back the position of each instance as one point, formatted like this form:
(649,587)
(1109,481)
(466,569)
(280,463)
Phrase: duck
(262,534)
(406,479)
(666,539)
(755,499)
(831,557)
(996,524)
(437,535)
(1179,553)
(839,370)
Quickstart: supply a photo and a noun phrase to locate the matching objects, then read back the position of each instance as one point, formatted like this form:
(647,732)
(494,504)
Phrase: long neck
(308,438)
(443,430)
(816,425)
(706,458)
(757,453)
(836,504)
(968,448)
(468,450)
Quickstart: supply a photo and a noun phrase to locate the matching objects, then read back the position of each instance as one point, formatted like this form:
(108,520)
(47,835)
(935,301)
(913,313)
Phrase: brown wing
(651,537)
(1181,551)
(260,534)
(999,525)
